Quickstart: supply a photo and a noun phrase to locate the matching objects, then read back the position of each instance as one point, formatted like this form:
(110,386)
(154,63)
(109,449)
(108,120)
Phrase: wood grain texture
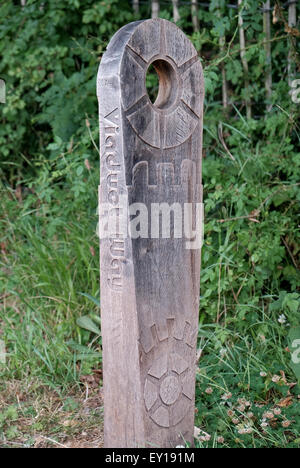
(2,92)
(150,153)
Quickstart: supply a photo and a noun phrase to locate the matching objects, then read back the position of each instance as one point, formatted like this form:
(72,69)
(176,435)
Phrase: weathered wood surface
(2,92)
(150,153)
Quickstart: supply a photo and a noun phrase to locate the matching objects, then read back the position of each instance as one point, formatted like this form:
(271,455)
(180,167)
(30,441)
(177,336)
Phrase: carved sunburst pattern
(171,125)
(169,389)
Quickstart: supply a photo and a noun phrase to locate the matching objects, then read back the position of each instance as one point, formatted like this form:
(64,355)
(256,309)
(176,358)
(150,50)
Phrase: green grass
(42,281)
(235,391)
(49,294)
(40,301)
(34,416)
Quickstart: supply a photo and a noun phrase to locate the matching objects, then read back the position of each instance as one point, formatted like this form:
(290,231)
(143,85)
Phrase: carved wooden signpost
(151,183)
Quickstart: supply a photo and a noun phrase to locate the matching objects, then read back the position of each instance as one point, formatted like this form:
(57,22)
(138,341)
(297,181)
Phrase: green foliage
(241,402)
(49,57)
(251,232)
(88,323)
(7,418)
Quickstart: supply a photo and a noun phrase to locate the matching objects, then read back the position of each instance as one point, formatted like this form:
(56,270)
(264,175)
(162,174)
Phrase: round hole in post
(167,84)
(152,83)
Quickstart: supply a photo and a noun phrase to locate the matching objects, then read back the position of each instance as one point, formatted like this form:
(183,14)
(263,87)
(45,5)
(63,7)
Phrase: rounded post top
(130,53)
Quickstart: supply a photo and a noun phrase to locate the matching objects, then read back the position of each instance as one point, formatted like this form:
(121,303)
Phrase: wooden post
(176,15)
(267,46)
(2,92)
(292,45)
(224,79)
(154,9)
(150,164)
(222,42)
(195,18)
(244,60)
(136,6)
